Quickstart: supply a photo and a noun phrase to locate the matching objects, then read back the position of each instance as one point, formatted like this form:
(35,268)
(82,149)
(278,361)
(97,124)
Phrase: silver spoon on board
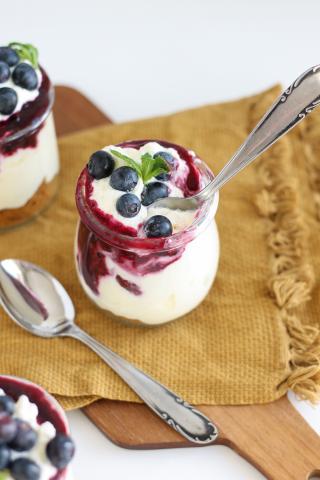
(290,108)
(38,302)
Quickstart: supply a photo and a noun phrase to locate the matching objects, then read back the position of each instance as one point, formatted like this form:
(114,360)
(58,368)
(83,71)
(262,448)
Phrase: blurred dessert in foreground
(34,433)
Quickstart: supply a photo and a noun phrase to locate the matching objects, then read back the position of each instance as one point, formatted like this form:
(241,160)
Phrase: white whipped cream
(22,173)
(24,95)
(28,411)
(105,196)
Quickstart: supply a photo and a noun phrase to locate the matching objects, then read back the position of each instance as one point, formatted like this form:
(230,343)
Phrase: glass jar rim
(127,242)
(35,124)
(55,405)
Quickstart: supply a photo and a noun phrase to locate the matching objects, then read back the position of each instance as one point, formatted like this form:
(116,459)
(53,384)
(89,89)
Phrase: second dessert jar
(29,160)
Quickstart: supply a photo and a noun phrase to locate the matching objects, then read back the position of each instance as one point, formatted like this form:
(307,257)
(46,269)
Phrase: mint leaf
(129,161)
(150,167)
(146,166)
(4,474)
(26,51)
(153,167)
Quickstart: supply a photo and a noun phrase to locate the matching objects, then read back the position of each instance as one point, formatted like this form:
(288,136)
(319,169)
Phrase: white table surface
(141,58)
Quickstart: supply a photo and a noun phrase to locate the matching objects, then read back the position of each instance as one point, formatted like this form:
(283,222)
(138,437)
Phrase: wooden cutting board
(272,437)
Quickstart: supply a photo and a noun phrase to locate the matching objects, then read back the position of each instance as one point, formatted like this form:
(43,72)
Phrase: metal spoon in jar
(291,107)
(36,301)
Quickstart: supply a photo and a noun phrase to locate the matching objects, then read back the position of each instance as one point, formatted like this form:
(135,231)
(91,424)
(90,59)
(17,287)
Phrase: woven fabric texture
(257,332)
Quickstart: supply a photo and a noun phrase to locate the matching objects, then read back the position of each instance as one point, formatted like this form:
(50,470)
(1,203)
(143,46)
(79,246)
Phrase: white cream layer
(28,411)
(106,196)
(166,294)
(22,173)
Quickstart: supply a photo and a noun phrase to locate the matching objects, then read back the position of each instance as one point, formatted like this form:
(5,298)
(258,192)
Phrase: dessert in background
(143,263)
(34,434)
(29,160)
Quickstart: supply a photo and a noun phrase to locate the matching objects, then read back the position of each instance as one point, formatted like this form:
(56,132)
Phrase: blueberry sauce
(29,115)
(91,258)
(31,299)
(93,253)
(130,286)
(101,237)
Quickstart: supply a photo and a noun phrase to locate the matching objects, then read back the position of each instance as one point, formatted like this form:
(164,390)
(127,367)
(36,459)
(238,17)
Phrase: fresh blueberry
(25,469)
(8,428)
(169,159)
(166,156)
(158,226)
(7,404)
(9,56)
(24,75)
(5,456)
(25,437)
(60,450)
(8,100)
(163,176)
(128,205)
(101,164)
(124,179)
(153,191)
(4,72)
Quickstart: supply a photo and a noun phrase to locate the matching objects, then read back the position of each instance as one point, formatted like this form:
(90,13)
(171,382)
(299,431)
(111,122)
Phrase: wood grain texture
(272,437)
(74,112)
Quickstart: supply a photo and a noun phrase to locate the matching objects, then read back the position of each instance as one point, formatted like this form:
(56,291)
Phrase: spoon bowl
(34,299)
(38,302)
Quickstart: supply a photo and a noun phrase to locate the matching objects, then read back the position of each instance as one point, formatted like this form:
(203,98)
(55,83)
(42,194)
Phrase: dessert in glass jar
(145,264)
(29,160)
(34,433)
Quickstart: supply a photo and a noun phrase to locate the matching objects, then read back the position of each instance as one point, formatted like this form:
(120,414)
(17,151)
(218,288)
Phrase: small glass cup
(49,409)
(29,159)
(147,281)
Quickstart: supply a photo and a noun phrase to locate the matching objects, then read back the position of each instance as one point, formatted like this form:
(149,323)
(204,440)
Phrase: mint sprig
(152,166)
(148,168)
(26,51)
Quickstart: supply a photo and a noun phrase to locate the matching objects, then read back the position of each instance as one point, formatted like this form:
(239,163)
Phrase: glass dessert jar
(36,442)
(29,159)
(138,278)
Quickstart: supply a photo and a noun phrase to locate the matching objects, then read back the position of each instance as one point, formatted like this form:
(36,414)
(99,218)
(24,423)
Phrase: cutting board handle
(273,437)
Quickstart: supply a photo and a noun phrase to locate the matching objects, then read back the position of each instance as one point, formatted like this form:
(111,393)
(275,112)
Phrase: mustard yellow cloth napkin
(256,334)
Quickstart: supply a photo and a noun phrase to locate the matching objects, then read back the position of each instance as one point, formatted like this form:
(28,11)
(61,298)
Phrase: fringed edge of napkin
(292,275)
(311,133)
